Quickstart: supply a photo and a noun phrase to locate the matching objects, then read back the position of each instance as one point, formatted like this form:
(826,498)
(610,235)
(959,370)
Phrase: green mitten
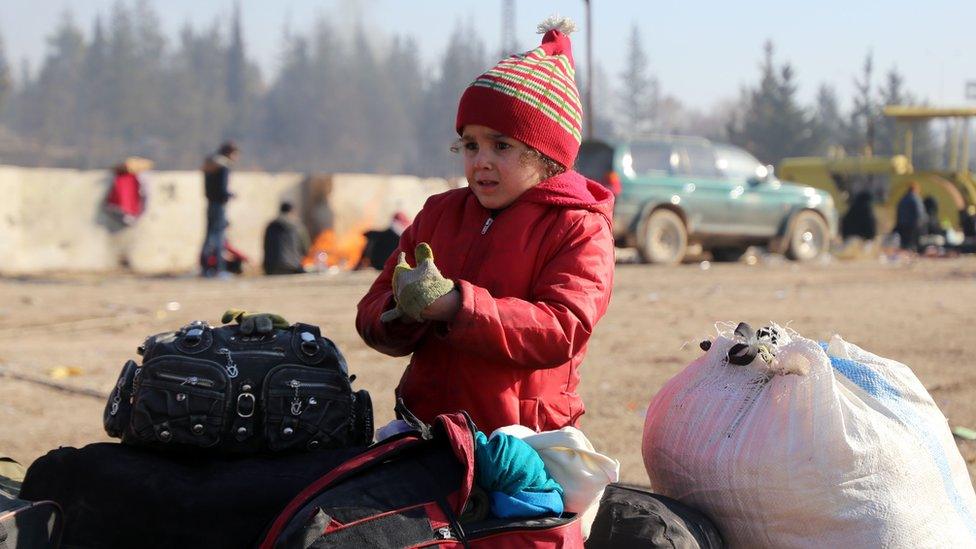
(415,288)
(261,323)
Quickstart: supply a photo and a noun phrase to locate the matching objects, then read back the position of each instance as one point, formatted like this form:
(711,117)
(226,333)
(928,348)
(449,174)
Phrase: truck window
(700,161)
(652,157)
(737,163)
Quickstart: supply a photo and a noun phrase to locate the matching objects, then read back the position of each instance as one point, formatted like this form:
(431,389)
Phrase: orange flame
(331,250)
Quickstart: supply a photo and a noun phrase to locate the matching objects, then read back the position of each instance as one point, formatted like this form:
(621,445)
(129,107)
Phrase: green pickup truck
(678,192)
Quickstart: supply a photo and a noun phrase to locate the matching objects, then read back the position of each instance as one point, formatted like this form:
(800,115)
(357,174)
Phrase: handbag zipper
(259,352)
(296,401)
(192,381)
(297,384)
(117,398)
(231,365)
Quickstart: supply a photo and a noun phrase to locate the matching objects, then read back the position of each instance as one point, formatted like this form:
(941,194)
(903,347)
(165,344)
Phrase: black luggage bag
(239,388)
(631,518)
(115,495)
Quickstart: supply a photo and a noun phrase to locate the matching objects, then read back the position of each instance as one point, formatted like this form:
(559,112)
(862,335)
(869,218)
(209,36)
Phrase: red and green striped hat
(532,96)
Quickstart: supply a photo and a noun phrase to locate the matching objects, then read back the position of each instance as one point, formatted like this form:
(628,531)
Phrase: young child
(524,257)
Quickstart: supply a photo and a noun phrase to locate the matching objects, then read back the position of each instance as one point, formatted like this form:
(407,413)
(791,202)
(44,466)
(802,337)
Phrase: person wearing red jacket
(125,200)
(524,267)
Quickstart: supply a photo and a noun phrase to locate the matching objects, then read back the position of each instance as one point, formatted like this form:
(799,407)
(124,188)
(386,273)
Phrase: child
(524,257)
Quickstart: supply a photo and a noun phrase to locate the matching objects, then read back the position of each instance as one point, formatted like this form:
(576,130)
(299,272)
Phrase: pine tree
(773,126)
(602,116)
(639,93)
(405,77)
(236,79)
(828,123)
(195,97)
(371,114)
(294,117)
(891,93)
(463,61)
(864,113)
(93,96)
(51,113)
(889,138)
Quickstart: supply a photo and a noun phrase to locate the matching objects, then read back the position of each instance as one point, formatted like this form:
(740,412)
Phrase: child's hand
(444,307)
(416,288)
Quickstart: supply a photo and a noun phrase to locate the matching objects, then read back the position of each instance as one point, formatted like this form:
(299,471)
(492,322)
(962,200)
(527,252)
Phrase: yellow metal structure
(953,187)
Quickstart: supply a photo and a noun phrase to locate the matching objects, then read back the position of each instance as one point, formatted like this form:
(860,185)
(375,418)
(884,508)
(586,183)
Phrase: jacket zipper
(488,223)
(193,381)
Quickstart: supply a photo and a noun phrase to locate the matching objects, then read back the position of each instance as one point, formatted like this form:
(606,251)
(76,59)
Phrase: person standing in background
(910,217)
(216,178)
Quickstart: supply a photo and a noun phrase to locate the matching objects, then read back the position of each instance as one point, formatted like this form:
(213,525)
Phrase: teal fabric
(526,504)
(509,465)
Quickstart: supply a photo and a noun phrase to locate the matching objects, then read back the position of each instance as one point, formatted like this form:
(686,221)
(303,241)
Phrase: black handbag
(239,388)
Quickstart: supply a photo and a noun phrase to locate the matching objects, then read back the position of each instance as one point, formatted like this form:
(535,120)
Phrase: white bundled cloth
(808,448)
(571,460)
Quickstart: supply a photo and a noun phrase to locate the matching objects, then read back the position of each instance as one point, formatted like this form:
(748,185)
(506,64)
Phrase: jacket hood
(571,189)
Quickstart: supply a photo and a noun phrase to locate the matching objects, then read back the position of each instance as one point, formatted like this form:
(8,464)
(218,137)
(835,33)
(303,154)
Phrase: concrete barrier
(51,220)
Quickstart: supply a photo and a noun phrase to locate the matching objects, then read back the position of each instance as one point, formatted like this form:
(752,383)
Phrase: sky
(701,52)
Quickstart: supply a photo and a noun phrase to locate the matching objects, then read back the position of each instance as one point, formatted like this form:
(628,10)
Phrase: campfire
(336,251)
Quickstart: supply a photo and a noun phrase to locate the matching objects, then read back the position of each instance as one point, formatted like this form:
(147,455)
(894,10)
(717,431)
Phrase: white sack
(810,451)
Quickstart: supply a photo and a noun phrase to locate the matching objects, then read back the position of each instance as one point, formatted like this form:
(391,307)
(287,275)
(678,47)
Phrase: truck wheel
(664,239)
(809,237)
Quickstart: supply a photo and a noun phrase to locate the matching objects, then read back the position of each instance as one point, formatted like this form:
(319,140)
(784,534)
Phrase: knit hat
(532,96)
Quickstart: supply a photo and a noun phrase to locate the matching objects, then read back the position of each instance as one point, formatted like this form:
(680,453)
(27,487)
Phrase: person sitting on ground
(499,326)
(285,243)
(380,245)
(126,200)
(859,220)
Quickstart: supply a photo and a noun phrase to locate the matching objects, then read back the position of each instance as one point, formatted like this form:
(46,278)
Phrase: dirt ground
(921,313)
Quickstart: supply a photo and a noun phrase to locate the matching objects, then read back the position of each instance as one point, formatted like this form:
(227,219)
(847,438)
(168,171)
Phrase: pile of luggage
(250,433)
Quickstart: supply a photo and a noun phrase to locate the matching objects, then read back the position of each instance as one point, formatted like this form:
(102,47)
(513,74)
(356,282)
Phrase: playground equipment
(950,182)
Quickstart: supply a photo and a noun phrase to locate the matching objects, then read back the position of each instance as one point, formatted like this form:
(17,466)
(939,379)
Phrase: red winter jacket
(126,196)
(534,281)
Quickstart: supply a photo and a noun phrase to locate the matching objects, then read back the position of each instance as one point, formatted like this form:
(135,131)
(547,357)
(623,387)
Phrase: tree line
(341,103)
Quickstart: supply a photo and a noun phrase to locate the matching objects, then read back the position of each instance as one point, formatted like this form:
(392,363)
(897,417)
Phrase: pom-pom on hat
(532,96)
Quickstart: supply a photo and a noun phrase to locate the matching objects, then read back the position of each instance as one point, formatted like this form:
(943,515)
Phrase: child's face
(496,166)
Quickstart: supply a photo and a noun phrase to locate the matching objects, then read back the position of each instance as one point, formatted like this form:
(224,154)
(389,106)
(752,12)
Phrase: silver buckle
(253,403)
